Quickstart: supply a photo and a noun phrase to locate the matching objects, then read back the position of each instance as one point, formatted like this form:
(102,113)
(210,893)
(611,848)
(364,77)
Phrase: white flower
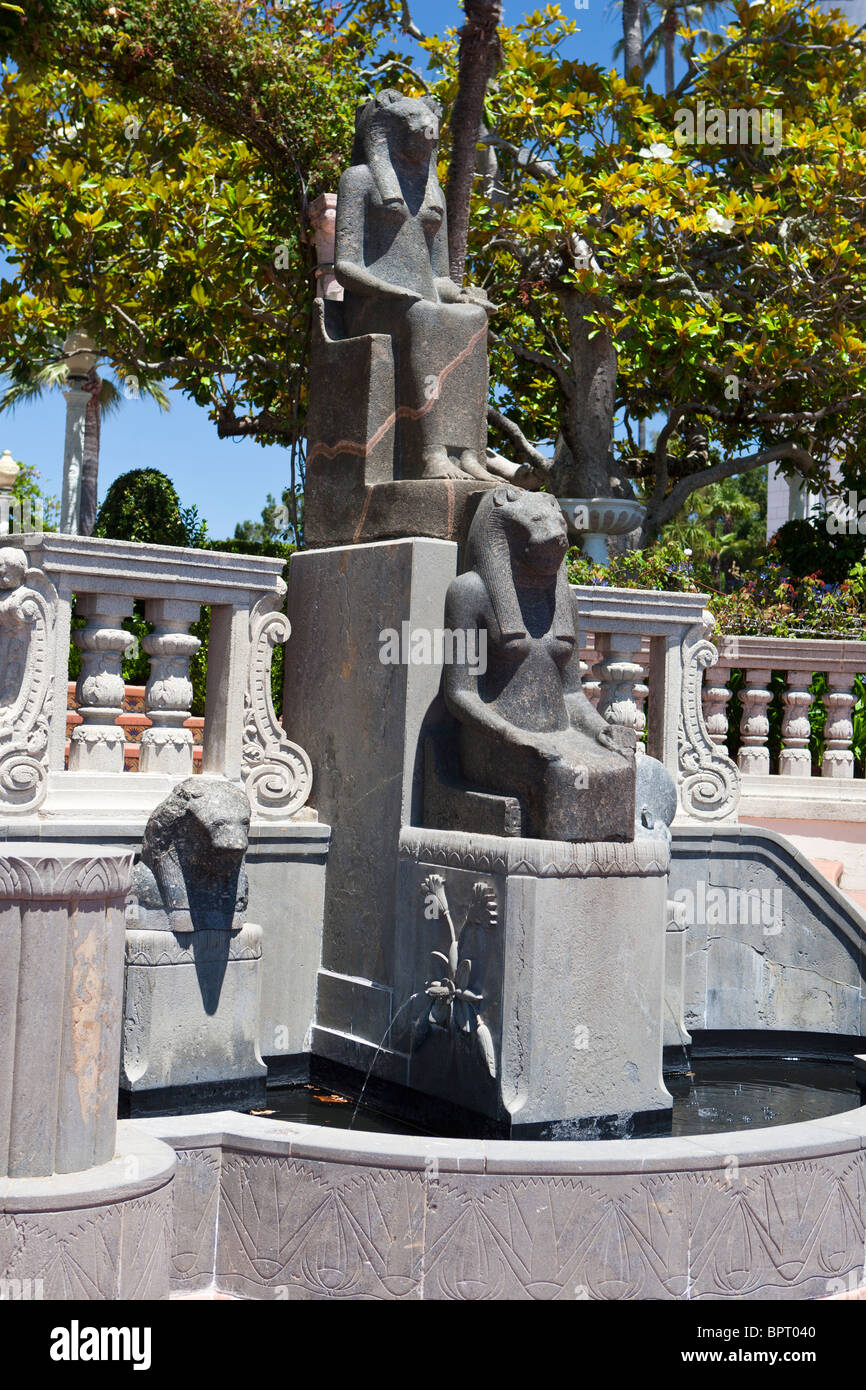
(717,223)
(657,151)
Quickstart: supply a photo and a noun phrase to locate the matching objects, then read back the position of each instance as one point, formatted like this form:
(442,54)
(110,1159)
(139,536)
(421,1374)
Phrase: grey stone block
(312,1213)
(554,1035)
(191,1008)
(770,943)
(366,755)
(103,1234)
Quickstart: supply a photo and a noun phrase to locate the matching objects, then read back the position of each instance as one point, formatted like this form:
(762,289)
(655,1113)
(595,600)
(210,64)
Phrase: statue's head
(206,820)
(408,124)
(13,567)
(520,536)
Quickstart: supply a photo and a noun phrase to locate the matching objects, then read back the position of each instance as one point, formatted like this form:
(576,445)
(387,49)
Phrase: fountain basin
(270,1209)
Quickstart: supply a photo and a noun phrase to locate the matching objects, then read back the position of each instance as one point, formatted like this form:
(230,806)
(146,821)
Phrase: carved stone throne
(354,488)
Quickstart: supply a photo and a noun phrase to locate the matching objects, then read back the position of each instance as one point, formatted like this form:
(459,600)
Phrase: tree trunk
(90,467)
(670,42)
(632,33)
(479,58)
(582,462)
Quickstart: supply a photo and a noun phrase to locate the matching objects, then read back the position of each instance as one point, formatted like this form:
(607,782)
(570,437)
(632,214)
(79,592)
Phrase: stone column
(62,935)
(167,746)
(839,729)
(97,743)
(716,696)
(796,760)
(77,402)
(323,220)
(619,673)
(753,758)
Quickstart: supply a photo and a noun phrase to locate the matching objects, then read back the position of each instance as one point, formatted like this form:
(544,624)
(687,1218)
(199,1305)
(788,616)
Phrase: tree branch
(683,489)
(518,441)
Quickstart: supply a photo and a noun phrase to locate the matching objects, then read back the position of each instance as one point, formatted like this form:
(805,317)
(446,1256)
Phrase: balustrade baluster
(167,746)
(796,759)
(715,696)
(753,758)
(839,730)
(591,687)
(618,673)
(97,743)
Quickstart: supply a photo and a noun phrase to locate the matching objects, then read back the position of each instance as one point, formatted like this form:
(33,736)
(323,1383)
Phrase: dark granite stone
(526,729)
(191,875)
(397,423)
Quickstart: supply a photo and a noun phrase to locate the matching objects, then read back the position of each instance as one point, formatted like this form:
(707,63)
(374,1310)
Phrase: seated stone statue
(391,257)
(526,728)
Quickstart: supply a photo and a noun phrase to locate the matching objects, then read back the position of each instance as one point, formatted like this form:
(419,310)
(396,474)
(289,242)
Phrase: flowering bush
(769,604)
(667,566)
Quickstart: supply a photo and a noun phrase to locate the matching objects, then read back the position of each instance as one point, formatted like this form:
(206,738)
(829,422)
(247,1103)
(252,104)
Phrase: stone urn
(592,519)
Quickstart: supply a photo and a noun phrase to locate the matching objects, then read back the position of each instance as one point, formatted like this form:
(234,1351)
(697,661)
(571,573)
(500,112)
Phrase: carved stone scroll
(28,607)
(709,783)
(277,773)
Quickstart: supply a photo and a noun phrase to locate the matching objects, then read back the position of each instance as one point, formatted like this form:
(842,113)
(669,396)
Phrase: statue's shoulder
(468,591)
(354,181)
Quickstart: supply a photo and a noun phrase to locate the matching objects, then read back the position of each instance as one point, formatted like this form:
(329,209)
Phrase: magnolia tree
(157,162)
(697,256)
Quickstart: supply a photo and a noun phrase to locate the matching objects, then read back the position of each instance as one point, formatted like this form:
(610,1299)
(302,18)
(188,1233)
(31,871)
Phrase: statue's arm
(467,609)
(349,266)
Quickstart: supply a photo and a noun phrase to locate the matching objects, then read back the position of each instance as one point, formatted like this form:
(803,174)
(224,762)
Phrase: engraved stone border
(33,872)
(493,854)
(651,1218)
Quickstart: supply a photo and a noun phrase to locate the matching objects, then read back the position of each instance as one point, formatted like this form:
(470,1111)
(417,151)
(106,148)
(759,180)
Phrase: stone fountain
(496,907)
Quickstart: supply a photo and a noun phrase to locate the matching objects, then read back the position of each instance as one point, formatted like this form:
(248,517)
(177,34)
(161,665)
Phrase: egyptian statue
(526,729)
(391,258)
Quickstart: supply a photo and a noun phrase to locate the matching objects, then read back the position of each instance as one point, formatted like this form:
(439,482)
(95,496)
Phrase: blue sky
(227,479)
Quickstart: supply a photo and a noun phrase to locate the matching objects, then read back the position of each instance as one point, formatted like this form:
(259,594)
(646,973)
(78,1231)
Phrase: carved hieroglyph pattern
(709,782)
(27,623)
(297,1229)
(277,773)
(120,1251)
(145,947)
(196,1201)
(146,1246)
(488,854)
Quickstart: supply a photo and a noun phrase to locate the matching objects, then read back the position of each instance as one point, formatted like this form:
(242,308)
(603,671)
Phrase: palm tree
(105,397)
(637,20)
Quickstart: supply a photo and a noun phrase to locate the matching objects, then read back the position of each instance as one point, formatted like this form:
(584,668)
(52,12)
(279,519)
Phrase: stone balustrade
(242,737)
(795,785)
(643,654)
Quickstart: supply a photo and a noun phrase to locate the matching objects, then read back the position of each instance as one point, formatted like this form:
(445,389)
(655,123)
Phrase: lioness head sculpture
(190,874)
(517,535)
(391,123)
